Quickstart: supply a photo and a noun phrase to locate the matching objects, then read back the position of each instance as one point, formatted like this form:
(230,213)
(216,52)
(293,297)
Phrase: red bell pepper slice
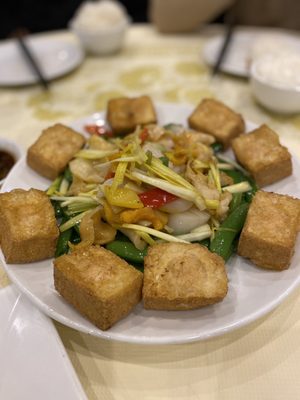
(144,135)
(99,130)
(156,198)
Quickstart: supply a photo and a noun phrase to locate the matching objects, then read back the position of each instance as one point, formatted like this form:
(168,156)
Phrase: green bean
(205,242)
(121,237)
(235,202)
(75,239)
(68,175)
(139,266)
(251,193)
(76,227)
(232,249)
(238,177)
(57,209)
(127,250)
(228,231)
(62,246)
(217,147)
(228,253)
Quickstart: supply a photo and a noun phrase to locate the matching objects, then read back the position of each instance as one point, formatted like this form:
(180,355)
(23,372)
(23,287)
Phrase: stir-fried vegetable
(156,198)
(228,230)
(127,251)
(156,184)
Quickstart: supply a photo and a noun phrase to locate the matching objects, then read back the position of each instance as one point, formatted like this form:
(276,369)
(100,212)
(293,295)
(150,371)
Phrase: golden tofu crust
(124,114)
(28,229)
(261,153)
(269,235)
(52,151)
(212,116)
(181,276)
(100,285)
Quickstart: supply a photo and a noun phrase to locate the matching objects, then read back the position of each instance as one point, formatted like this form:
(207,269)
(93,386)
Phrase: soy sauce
(6,163)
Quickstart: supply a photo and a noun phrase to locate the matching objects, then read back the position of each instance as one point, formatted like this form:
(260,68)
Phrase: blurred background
(168,16)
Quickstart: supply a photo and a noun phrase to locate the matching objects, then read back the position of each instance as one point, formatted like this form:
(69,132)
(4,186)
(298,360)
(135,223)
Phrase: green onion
(73,221)
(154,232)
(235,164)
(64,186)
(184,193)
(225,166)
(168,174)
(90,154)
(238,187)
(201,233)
(54,186)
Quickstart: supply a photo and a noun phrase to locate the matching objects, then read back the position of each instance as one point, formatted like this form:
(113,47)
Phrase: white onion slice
(176,206)
(185,222)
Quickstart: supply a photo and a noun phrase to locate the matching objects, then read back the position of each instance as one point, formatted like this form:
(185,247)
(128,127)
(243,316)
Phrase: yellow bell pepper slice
(122,197)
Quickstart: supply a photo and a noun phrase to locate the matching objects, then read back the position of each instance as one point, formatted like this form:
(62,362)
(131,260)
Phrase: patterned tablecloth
(260,361)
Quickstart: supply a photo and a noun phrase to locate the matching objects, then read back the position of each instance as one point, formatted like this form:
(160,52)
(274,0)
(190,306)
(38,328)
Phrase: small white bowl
(281,97)
(102,42)
(10,147)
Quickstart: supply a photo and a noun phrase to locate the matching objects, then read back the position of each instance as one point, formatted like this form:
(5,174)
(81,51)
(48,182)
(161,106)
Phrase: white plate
(33,362)
(252,291)
(56,57)
(238,56)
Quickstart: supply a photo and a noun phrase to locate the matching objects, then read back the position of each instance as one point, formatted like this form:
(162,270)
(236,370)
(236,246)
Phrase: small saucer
(12,148)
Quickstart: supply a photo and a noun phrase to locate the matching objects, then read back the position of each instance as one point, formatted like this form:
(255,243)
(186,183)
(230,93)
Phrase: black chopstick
(32,62)
(230,25)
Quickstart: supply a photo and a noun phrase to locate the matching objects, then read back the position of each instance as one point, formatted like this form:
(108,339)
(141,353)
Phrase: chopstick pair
(32,62)
(230,22)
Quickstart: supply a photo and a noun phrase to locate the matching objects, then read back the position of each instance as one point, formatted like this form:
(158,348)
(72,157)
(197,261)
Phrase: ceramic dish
(275,95)
(238,57)
(247,297)
(56,58)
(12,148)
(33,362)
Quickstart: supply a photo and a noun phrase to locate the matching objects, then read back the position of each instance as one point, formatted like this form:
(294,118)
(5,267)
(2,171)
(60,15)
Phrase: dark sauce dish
(7,161)
(10,153)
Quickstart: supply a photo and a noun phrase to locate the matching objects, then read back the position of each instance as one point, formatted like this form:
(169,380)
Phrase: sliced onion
(177,206)
(185,222)
(84,170)
(135,238)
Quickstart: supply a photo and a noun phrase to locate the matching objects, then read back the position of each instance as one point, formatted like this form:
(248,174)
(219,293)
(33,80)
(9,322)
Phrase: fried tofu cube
(182,276)
(100,285)
(269,235)
(212,116)
(261,153)
(52,151)
(124,114)
(28,229)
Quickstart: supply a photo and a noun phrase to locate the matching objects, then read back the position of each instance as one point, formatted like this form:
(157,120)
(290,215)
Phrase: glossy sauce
(6,163)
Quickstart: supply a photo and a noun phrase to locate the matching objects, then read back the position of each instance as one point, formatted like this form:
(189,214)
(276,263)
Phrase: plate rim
(116,336)
(96,332)
(247,33)
(78,58)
